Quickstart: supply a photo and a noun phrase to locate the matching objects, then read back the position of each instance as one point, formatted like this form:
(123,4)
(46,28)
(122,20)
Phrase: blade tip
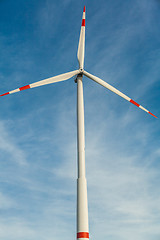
(152,114)
(4,94)
(84,9)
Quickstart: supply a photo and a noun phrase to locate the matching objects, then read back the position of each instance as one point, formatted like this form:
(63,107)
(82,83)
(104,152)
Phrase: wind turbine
(82,202)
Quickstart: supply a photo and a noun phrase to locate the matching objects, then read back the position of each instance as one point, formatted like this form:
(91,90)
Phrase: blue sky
(38,164)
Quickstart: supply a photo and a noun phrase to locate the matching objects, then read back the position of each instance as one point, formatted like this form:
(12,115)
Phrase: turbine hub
(80,74)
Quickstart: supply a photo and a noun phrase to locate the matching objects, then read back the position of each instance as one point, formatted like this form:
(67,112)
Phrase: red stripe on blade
(4,94)
(83,235)
(24,88)
(83,22)
(134,103)
(84,9)
(152,114)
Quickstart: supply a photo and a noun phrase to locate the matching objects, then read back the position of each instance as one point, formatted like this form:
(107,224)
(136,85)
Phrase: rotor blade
(81,46)
(108,86)
(58,78)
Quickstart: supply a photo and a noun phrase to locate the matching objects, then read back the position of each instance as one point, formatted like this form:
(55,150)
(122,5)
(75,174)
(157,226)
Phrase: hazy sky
(38,155)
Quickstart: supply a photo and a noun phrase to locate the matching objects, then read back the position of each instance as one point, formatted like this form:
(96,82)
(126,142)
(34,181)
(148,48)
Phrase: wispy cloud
(9,146)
